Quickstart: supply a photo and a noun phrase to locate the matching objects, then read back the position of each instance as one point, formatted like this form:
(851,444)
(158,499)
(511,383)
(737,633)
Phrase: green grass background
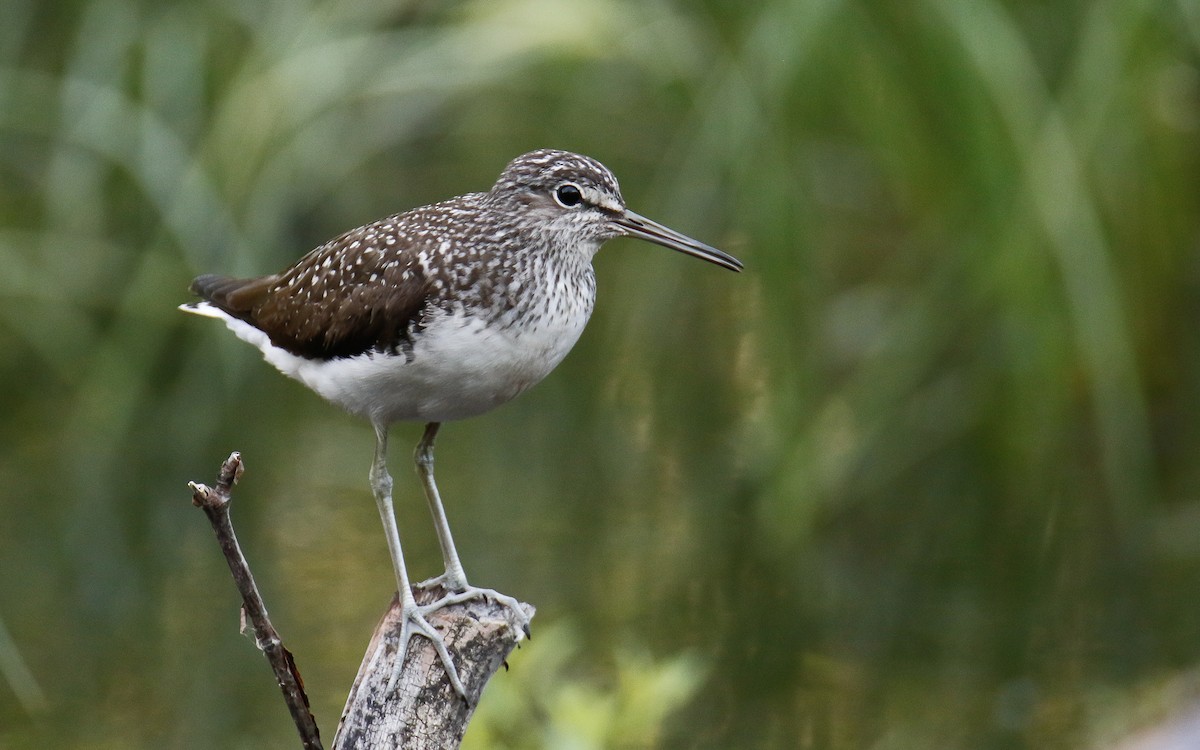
(925,475)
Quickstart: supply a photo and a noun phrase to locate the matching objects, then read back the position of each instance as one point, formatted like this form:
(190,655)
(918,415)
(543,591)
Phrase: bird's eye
(568,195)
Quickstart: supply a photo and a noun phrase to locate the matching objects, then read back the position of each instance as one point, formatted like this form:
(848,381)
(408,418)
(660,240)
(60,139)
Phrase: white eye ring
(568,195)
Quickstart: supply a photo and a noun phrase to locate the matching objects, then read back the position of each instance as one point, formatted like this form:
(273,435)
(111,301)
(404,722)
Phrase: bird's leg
(412,616)
(454,580)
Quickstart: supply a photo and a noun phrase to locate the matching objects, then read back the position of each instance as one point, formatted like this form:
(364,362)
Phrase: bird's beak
(635,225)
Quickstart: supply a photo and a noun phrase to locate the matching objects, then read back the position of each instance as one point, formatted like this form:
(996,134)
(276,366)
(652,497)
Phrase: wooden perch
(422,711)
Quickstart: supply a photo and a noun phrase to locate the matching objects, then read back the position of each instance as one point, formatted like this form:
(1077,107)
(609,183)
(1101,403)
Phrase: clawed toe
(414,623)
(467,593)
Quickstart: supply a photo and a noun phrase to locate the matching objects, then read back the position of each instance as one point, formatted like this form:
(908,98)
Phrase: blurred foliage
(548,703)
(923,476)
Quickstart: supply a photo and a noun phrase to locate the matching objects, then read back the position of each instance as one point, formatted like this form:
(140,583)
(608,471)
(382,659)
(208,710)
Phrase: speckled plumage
(441,313)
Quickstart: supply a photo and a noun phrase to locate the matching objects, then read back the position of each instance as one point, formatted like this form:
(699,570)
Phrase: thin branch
(215,504)
(422,711)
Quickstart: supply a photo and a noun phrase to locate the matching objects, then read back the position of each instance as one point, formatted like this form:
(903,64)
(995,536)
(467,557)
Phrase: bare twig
(215,504)
(422,711)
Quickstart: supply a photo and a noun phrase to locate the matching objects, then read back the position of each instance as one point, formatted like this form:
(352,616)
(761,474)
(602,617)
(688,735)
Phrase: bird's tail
(236,297)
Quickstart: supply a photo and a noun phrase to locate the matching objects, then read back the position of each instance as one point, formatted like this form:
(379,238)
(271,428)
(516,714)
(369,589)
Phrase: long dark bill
(636,225)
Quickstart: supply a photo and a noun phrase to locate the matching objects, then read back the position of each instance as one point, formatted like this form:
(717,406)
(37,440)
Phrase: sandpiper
(441,313)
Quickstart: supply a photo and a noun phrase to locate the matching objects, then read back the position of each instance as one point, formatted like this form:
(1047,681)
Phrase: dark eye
(568,195)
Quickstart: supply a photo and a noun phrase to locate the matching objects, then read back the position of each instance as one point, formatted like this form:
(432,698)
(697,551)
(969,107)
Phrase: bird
(442,313)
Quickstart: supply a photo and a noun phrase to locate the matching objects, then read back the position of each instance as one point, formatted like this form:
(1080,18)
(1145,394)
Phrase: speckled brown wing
(359,292)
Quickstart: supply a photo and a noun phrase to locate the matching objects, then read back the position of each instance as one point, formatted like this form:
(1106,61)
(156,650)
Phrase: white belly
(458,368)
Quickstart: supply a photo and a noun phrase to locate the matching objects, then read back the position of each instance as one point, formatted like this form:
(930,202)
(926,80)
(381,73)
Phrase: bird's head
(575,201)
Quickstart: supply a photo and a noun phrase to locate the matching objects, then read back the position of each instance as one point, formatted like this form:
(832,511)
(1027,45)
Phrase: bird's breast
(463,361)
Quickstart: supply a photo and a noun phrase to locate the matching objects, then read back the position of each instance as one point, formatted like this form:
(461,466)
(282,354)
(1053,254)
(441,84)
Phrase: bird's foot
(458,591)
(413,622)
(442,582)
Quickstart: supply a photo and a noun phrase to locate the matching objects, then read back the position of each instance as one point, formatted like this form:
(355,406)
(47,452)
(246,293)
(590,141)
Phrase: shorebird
(441,313)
